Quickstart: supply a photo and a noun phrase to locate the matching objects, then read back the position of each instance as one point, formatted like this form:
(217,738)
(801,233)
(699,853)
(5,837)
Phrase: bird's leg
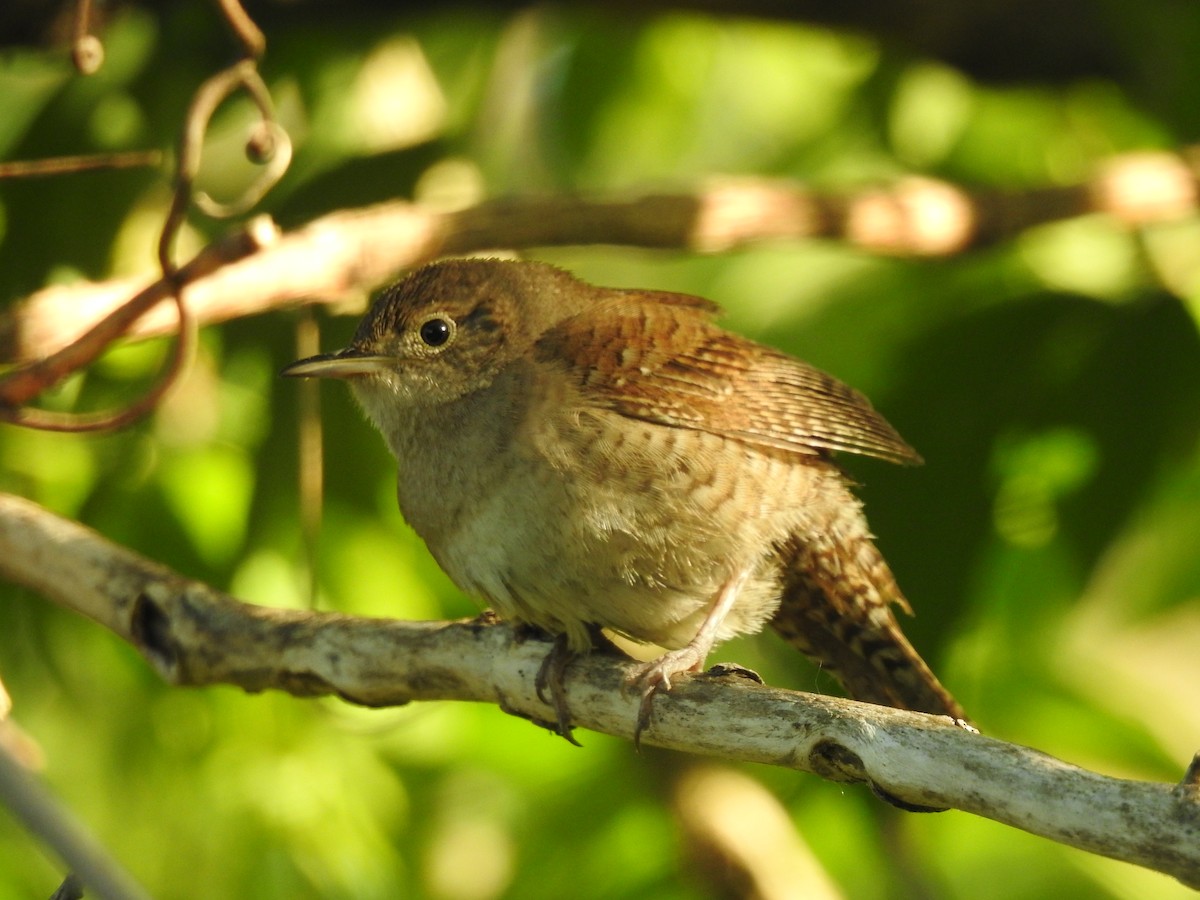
(549,682)
(656,675)
(550,679)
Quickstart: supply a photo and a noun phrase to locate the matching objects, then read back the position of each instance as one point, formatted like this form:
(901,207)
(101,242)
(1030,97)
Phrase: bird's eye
(435,332)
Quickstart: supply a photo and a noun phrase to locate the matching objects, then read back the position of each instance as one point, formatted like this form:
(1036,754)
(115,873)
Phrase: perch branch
(194,635)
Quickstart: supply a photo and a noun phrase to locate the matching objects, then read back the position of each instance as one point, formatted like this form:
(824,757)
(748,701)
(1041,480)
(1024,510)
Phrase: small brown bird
(583,457)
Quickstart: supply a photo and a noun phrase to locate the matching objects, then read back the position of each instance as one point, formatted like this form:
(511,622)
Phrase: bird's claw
(654,677)
(550,687)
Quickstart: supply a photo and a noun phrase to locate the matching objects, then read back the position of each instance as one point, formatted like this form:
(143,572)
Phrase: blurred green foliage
(1052,384)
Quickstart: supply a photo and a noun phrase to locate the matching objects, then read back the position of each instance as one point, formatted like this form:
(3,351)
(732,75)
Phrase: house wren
(583,457)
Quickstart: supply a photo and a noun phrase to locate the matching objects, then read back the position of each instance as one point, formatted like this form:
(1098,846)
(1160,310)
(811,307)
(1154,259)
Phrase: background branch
(34,805)
(339,258)
(194,635)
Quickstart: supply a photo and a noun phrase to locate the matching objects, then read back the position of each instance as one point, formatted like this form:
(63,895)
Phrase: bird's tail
(838,594)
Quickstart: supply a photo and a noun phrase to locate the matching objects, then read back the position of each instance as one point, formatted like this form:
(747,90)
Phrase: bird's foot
(550,687)
(655,676)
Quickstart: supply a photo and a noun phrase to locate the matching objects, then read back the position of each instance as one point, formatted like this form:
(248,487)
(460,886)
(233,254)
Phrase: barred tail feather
(837,602)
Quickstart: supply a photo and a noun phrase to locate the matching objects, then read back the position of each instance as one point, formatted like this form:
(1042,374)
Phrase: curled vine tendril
(268,145)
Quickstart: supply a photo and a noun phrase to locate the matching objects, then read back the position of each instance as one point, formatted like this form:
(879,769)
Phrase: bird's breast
(560,514)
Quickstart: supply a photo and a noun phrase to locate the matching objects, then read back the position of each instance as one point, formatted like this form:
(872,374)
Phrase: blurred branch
(339,258)
(195,635)
(70,165)
(87,52)
(32,804)
(770,861)
(249,35)
(13,740)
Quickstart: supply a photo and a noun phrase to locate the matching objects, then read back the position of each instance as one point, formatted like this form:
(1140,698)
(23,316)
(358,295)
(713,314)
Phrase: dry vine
(268,144)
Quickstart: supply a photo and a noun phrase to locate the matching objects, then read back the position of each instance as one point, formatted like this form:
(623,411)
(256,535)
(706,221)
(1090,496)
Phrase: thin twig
(87,52)
(310,451)
(69,165)
(253,42)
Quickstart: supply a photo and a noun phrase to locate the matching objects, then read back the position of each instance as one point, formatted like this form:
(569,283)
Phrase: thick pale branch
(340,257)
(195,635)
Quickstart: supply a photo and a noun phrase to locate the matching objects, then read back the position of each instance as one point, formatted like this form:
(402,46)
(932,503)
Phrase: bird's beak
(348,363)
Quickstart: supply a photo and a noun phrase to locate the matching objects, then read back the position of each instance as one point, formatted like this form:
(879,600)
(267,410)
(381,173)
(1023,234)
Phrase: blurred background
(1052,383)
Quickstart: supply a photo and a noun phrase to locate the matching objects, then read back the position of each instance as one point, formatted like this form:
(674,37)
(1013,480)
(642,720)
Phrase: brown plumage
(579,456)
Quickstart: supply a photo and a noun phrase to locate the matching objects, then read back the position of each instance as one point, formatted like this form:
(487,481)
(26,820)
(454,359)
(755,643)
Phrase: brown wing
(659,358)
